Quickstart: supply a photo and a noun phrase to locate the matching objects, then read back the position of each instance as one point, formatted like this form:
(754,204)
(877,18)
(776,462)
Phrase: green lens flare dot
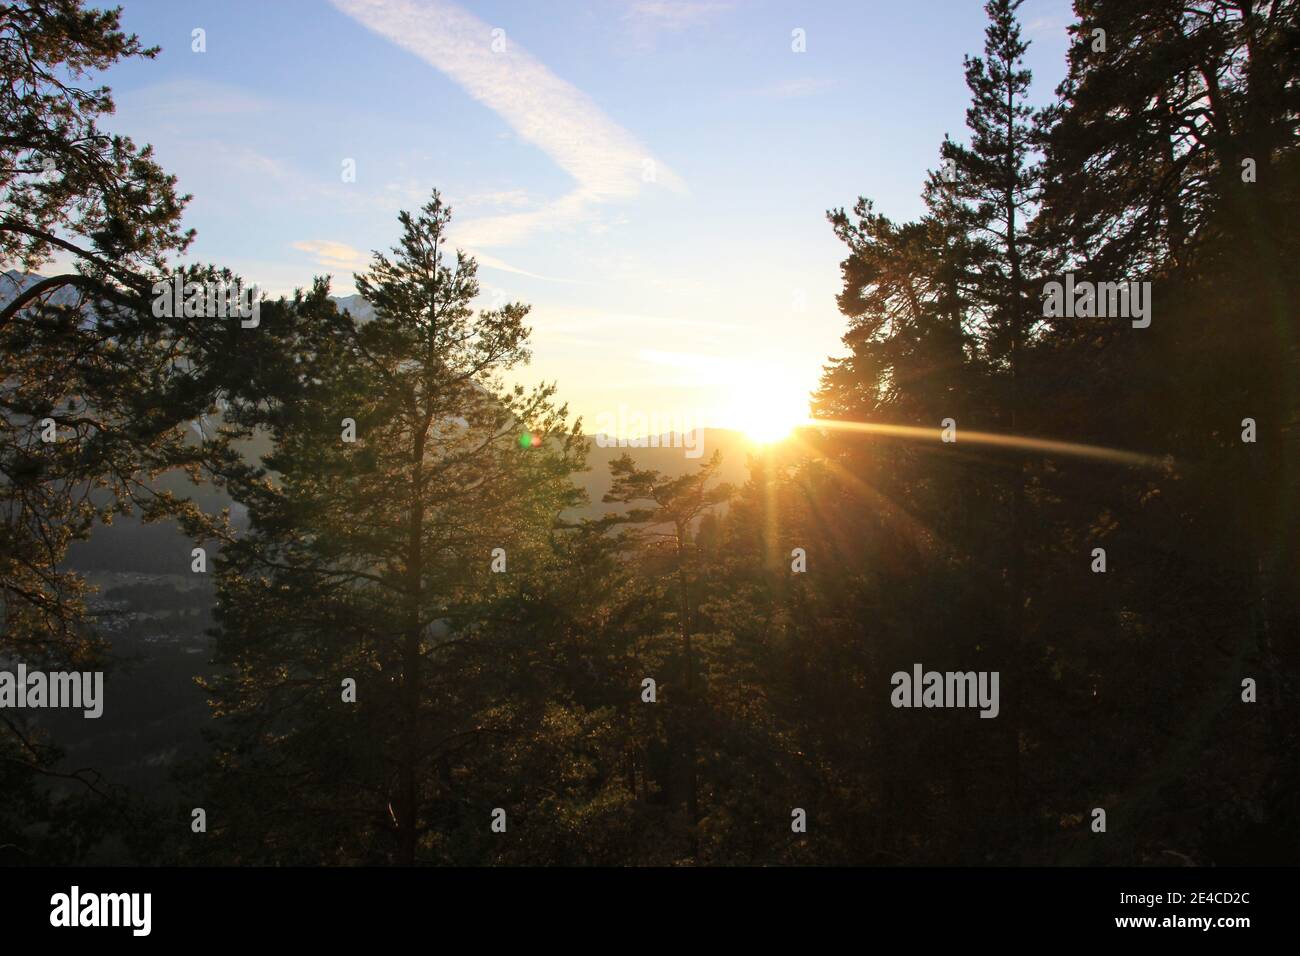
(526,440)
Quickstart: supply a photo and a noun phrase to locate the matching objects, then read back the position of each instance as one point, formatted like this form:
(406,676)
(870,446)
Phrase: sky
(651,176)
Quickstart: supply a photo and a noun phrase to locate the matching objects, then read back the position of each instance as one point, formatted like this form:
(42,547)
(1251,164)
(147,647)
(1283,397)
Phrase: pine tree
(998,178)
(401,462)
(96,392)
(665,515)
(1171,157)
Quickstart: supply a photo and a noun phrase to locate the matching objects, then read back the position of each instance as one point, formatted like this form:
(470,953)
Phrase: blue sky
(651,175)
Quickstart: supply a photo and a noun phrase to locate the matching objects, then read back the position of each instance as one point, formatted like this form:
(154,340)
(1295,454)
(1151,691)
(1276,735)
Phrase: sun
(768,411)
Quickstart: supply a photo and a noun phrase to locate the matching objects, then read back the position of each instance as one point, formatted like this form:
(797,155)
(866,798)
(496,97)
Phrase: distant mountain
(128,545)
(13,282)
(734,446)
(359,307)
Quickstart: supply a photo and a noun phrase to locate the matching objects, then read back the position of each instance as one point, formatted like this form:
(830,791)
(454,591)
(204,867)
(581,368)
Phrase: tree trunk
(692,782)
(408,816)
(1016,684)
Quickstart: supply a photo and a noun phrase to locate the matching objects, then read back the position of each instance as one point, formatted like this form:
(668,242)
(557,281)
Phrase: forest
(1060,449)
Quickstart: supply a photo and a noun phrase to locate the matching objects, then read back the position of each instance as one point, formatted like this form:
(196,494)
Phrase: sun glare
(768,413)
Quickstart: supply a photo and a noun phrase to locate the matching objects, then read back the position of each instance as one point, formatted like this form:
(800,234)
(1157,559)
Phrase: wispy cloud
(797,87)
(339,257)
(691,364)
(515,198)
(645,21)
(336,256)
(675,14)
(185,98)
(491,262)
(606,162)
(1045,25)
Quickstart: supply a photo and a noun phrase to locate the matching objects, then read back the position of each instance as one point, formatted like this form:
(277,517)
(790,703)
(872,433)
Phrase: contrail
(607,163)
